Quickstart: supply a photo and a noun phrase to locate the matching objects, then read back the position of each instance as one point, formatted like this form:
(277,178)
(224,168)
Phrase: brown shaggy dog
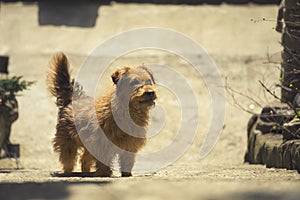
(112,125)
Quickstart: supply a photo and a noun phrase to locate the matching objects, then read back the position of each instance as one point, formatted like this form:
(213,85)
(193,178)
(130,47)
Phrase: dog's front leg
(127,161)
(102,170)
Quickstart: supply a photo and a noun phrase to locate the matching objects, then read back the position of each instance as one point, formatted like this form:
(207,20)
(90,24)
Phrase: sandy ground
(238,38)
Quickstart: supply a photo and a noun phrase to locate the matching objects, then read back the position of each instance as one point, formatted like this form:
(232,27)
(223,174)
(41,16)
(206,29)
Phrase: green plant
(10,86)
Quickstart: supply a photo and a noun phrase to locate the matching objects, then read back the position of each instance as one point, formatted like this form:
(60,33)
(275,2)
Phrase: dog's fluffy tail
(59,80)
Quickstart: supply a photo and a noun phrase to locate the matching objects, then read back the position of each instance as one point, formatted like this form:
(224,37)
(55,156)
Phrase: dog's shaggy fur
(130,99)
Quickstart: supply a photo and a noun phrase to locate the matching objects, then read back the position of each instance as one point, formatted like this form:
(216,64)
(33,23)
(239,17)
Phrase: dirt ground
(240,39)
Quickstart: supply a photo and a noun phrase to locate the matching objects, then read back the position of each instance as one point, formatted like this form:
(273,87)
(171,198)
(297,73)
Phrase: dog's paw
(126,174)
(99,173)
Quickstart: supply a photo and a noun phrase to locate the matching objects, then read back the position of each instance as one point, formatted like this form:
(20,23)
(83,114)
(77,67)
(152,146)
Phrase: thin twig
(231,92)
(269,91)
(242,94)
(276,97)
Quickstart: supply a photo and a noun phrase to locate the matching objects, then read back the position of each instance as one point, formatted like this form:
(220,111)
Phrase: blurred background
(240,37)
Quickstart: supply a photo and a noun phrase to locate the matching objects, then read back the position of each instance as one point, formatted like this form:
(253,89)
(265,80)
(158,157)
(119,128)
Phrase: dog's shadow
(73,174)
(92,174)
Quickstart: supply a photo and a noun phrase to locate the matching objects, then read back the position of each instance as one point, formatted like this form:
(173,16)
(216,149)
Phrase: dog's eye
(149,82)
(134,82)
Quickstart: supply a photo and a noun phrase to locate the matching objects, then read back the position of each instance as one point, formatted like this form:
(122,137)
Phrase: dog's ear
(149,71)
(116,75)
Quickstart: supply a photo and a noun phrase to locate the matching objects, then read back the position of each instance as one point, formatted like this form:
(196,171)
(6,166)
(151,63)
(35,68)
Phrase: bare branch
(276,97)
(269,91)
(231,92)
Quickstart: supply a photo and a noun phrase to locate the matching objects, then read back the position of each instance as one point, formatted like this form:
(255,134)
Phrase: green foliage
(281,80)
(9,87)
(297,115)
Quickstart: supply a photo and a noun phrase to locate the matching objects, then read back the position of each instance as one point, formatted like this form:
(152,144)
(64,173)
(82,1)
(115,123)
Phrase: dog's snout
(149,93)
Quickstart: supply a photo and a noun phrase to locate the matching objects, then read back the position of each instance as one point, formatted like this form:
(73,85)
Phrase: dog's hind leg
(67,149)
(87,160)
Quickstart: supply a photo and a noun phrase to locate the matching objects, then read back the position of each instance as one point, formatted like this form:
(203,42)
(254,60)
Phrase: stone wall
(266,142)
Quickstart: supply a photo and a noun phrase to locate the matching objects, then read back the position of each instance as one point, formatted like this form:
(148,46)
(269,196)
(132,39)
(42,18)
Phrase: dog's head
(135,86)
